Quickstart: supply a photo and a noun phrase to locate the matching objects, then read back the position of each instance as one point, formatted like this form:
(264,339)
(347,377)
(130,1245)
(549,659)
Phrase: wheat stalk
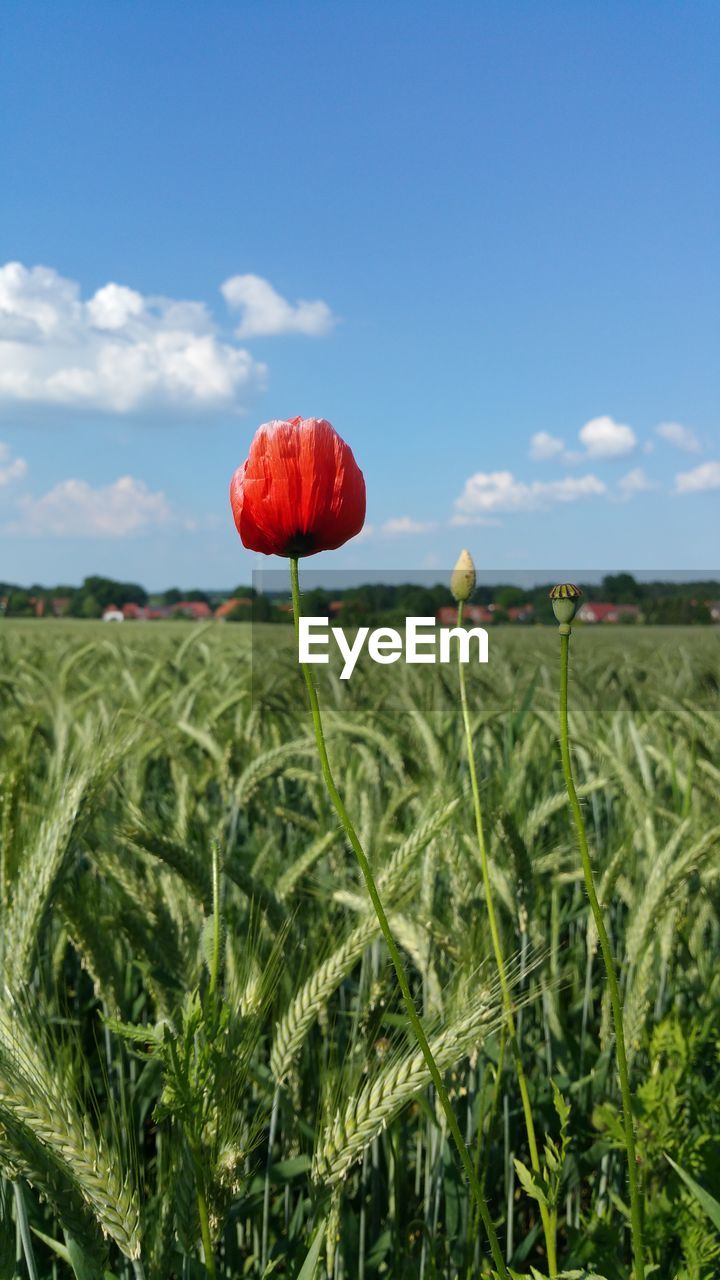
(316,991)
(31,1100)
(371,1109)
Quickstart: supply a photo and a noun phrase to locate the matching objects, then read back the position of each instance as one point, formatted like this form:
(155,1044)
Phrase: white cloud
(405,524)
(73,509)
(635,481)
(265,313)
(113,305)
(460,519)
(118,352)
(499,491)
(704,477)
(601,438)
(605,438)
(682,437)
(544,446)
(10,468)
(37,305)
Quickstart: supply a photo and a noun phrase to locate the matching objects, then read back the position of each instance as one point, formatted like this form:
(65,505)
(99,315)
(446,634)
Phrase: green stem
(193,1143)
(635,1200)
(208,1251)
(217,924)
(395,956)
(492,1114)
(266,1192)
(545,1214)
(203,1215)
(484,1137)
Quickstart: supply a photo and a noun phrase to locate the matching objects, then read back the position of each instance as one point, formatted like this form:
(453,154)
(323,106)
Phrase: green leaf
(529,1184)
(293,1167)
(309,1266)
(707,1202)
(561,1106)
(55,1245)
(381,1247)
(84,1270)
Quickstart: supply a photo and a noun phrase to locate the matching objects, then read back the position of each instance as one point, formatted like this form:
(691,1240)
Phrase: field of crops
(202,1043)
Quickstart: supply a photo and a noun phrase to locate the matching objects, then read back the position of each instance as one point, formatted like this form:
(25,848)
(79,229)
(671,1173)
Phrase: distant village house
(592,611)
(195,609)
(229,606)
(479,614)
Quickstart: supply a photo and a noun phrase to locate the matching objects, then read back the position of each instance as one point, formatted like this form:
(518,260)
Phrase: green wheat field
(197,1009)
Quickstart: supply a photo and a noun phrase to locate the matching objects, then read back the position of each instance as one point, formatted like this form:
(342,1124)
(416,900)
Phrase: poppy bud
(300,490)
(565,602)
(462,579)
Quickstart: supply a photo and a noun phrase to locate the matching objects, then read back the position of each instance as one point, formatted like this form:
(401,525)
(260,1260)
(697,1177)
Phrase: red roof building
(478,614)
(196,609)
(592,611)
(132,612)
(228,606)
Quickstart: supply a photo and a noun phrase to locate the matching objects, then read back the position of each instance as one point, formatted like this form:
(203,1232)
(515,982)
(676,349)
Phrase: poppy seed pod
(300,490)
(462,579)
(565,602)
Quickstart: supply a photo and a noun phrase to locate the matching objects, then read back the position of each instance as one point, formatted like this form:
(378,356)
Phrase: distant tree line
(391,603)
(87,601)
(659,602)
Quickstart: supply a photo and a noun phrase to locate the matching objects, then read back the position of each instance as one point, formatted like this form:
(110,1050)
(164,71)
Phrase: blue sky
(480,238)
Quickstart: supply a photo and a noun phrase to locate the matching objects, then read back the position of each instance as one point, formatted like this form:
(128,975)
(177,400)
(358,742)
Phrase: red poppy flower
(300,490)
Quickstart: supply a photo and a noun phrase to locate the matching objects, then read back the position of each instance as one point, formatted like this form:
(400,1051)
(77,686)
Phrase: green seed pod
(462,579)
(565,599)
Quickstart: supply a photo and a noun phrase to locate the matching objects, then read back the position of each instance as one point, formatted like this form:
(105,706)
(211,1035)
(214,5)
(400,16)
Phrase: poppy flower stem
(395,956)
(547,1215)
(635,1199)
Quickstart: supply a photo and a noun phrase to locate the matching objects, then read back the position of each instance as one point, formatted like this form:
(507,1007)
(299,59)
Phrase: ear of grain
(34,1102)
(347,1135)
